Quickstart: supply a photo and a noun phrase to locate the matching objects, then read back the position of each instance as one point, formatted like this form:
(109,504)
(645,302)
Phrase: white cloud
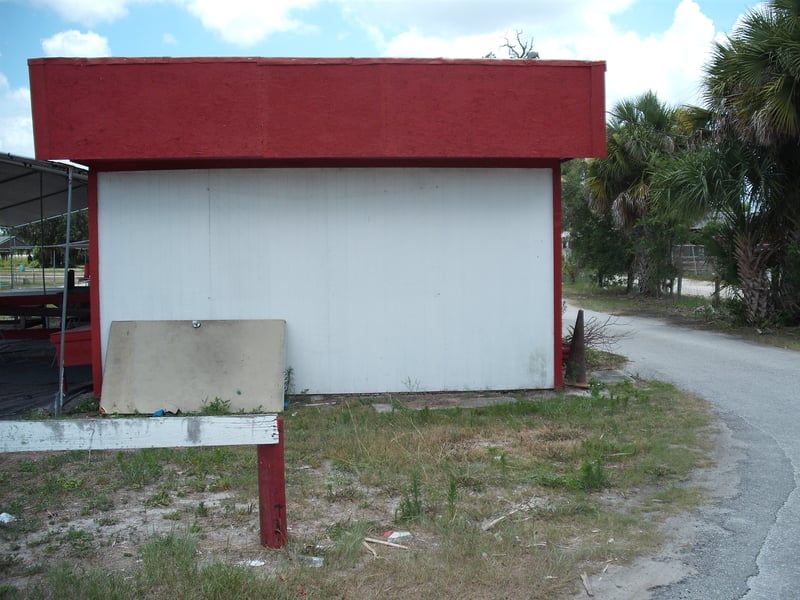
(87,12)
(169,39)
(668,62)
(247,22)
(413,43)
(16,123)
(75,43)
(457,18)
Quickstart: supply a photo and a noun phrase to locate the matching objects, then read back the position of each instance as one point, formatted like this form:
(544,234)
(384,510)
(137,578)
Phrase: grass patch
(507,500)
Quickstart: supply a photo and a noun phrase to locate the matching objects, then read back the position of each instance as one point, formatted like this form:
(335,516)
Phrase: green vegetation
(689,311)
(52,232)
(507,500)
(725,175)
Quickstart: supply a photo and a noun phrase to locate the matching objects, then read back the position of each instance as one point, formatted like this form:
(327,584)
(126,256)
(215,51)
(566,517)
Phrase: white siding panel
(388,279)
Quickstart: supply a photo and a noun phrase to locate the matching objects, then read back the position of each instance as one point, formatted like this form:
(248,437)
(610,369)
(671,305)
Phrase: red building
(402,216)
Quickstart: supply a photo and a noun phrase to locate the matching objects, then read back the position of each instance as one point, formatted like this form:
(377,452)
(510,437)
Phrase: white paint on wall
(388,279)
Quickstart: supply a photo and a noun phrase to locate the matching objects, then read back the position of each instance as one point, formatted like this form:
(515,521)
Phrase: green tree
(753,90)
(641,133)
(747,166)
(52,233)
(595,243)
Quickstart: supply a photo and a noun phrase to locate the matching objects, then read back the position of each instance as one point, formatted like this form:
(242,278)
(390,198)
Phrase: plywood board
(185,365)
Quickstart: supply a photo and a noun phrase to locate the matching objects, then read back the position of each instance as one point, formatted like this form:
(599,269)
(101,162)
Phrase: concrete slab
(609,376)
(182,365)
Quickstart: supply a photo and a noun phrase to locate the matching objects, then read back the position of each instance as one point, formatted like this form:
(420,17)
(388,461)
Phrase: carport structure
(402,216)
(33,191)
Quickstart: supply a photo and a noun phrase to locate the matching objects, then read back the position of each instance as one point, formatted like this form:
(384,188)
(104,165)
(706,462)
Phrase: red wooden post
(272,492)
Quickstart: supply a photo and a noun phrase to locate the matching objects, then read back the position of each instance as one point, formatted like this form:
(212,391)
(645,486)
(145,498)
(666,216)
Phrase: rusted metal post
(272,492)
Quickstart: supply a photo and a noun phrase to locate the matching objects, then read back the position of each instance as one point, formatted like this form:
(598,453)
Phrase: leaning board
(184,365)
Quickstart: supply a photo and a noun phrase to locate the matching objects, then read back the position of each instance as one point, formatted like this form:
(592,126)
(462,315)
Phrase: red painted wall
(255,109)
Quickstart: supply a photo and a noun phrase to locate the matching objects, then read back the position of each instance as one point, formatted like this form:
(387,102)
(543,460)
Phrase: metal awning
(31,190)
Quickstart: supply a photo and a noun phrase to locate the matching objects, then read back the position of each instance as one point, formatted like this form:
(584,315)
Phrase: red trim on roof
(255,109)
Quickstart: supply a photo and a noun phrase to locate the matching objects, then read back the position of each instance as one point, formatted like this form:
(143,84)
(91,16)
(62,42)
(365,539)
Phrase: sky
(659,45)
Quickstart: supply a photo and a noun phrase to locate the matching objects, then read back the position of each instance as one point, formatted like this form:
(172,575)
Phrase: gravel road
(745,544)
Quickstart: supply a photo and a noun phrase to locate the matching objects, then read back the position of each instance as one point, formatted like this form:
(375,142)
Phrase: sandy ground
(640,579)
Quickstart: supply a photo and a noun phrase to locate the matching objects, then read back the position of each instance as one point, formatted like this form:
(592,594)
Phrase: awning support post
(60,397)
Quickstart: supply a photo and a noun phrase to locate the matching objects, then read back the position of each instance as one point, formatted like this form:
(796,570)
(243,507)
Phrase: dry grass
(513,500)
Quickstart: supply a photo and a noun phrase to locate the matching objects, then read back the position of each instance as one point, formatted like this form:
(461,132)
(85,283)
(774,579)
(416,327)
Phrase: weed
(90,404)
(452,497)
(139,468)
(341,488)
(80,542)
(216,407)
(160,498)
(411,386)
(347,537)
(27,466)
(288,381)
(410,508)
(97,501)
(201,511)
(592,476)
(7,561)
(69,483)
(222,484)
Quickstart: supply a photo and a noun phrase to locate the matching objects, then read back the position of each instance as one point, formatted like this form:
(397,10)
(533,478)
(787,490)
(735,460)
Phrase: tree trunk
(751,263)
(648,283)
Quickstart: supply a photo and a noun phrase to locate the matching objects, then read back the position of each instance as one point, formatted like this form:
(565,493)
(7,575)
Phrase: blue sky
(648,44)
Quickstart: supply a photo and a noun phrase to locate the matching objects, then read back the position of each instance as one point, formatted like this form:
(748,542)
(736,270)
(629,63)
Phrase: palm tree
(727,180)
(641,132)
(753,76)
(753,91)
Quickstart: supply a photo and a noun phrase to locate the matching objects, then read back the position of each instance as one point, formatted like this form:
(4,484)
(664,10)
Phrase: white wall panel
(387,278)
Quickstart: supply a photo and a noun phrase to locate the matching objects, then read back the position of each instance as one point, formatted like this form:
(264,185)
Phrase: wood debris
(586,584)
(370,548)
(383,543)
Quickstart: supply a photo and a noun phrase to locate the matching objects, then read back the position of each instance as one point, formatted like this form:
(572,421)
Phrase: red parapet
(178,111)
(272,492)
